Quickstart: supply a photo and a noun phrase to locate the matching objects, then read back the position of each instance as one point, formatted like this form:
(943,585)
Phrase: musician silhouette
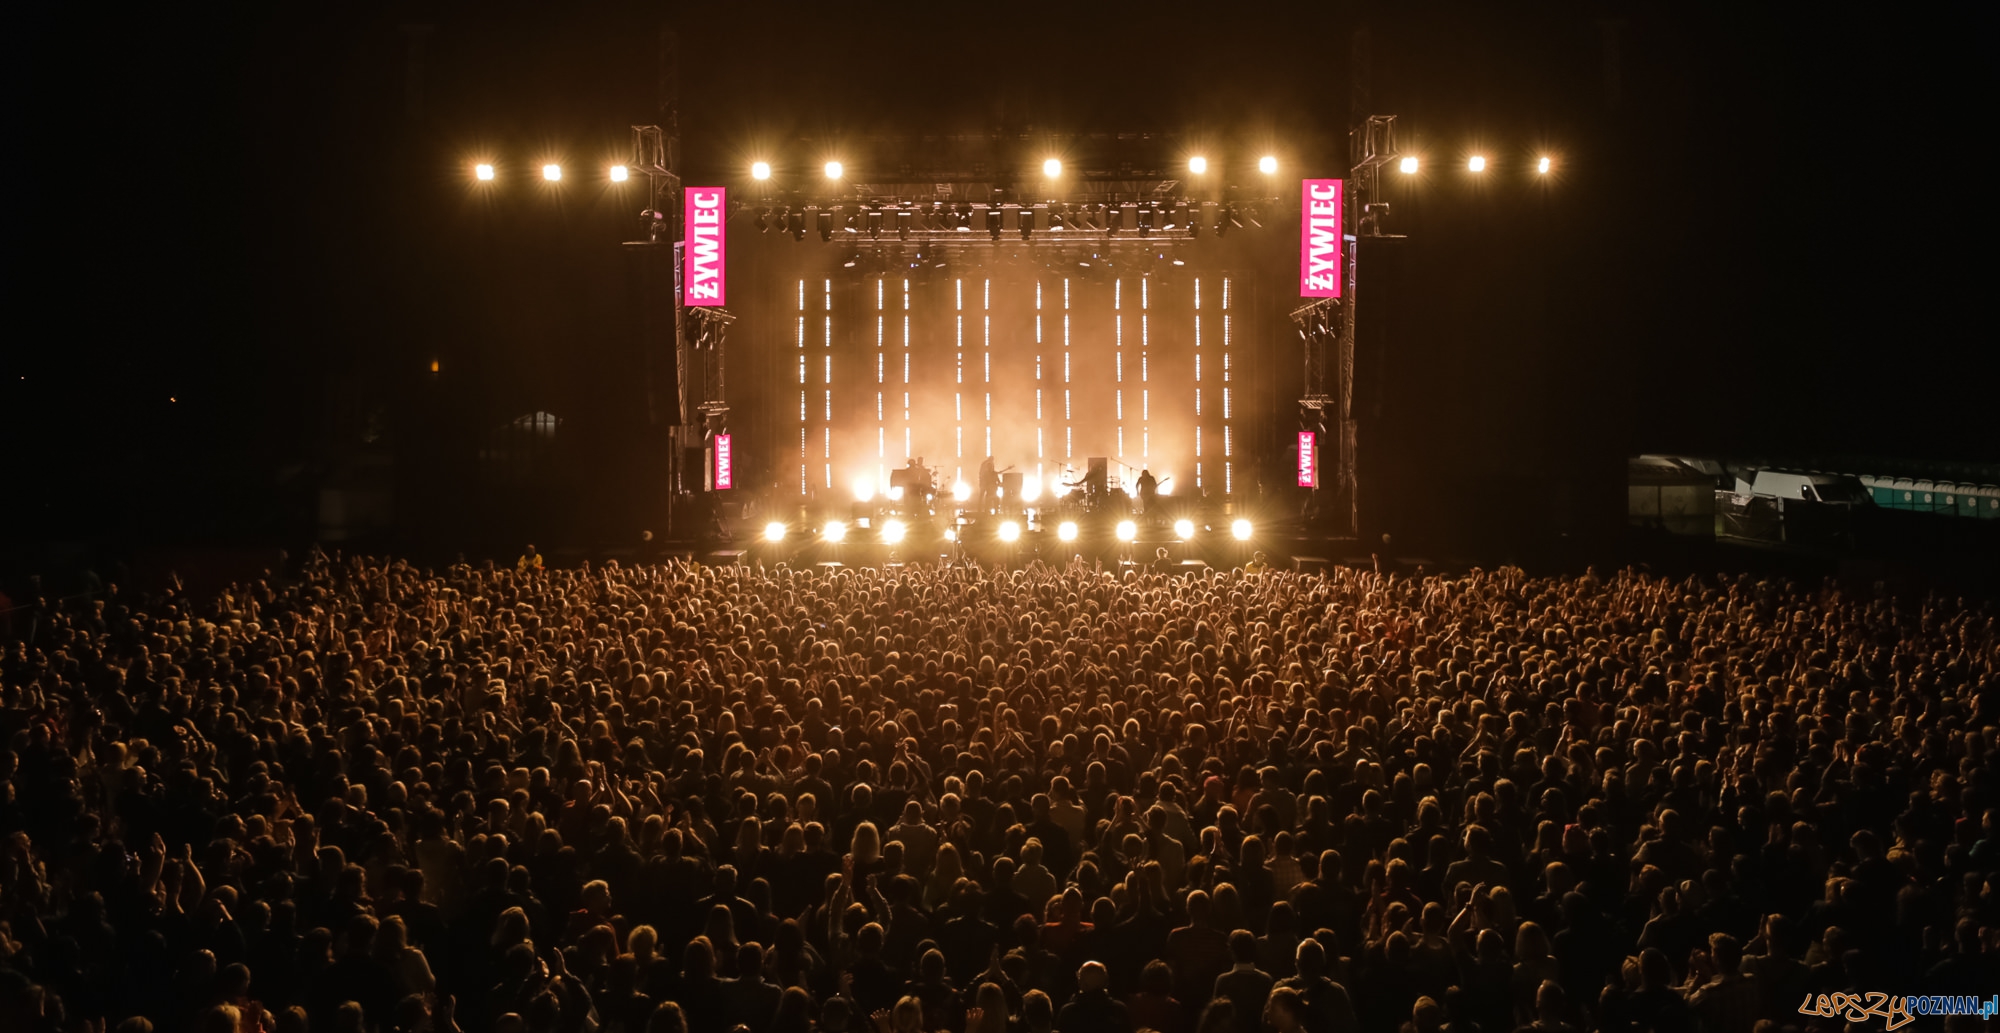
(989,486)
(1149,491)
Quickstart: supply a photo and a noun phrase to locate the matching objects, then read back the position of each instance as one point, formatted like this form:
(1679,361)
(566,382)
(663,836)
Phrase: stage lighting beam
(1127,530)
(1477,163)
(1066,530)
(1184,529)
(552,172)
(760,170)
(1010,532)
(1268,165)
(1543,165)
(1052,169)
(1408,166)
(620,173)
(483,171)
(835,531)
(834,170)
(1240,530)
(1197,164)
(893,531)
(774,532)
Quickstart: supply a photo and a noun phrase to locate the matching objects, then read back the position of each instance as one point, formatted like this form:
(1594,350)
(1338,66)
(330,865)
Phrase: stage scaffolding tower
(689,406)
(1327,327)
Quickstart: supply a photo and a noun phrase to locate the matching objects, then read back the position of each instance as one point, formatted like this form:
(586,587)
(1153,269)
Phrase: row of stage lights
(894,532)
(1052,169)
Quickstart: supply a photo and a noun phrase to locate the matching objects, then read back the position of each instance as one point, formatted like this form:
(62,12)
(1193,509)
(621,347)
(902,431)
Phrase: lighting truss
(1167,222)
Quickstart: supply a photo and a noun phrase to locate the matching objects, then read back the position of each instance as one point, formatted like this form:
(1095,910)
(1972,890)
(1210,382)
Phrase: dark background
(239,240)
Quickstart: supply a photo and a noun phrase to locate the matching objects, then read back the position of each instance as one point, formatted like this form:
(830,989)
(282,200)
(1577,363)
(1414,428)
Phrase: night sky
(243,238)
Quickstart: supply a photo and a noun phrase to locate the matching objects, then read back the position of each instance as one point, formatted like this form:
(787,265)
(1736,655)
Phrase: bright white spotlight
(1197,164)
(835,531)
(1477,163)
(620,173)
(774,532)
(950,535)
(893,531)
(1166,487)
(1010,531)
(552,173)
(896,493)
(834,170)
(1127,530)
(1031,488)
(1408,165)
(483,171)
(961,491)
(1066,530)
(864,489)
(1052,168)
(1059,489)
(1542,166)
(1240,530)
(1267,164)
(760,170)
(1184,529)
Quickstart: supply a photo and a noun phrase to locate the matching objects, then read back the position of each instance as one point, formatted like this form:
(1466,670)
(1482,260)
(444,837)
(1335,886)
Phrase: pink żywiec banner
(706,211)
(1308,460)
(725,468)
(1319,238)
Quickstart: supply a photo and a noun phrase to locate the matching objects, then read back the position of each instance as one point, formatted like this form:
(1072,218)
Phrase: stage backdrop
(1039,369)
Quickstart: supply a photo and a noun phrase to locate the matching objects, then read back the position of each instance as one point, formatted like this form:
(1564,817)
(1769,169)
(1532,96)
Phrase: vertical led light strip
(802,387)
(986,358)
(826,346)
(1145,393)
(1197,382)
(906,371)
(1038,379)
(881,372)
(1118,361)
(1228,392)
(958,391)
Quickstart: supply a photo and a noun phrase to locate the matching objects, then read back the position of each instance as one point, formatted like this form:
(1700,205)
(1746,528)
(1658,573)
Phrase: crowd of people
(356,795)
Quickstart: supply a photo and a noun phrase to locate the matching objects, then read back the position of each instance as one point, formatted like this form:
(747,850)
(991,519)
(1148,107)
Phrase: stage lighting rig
(875,223)
(904,218)
(993,224)
(1025,220)
(825,224)
(795,224)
